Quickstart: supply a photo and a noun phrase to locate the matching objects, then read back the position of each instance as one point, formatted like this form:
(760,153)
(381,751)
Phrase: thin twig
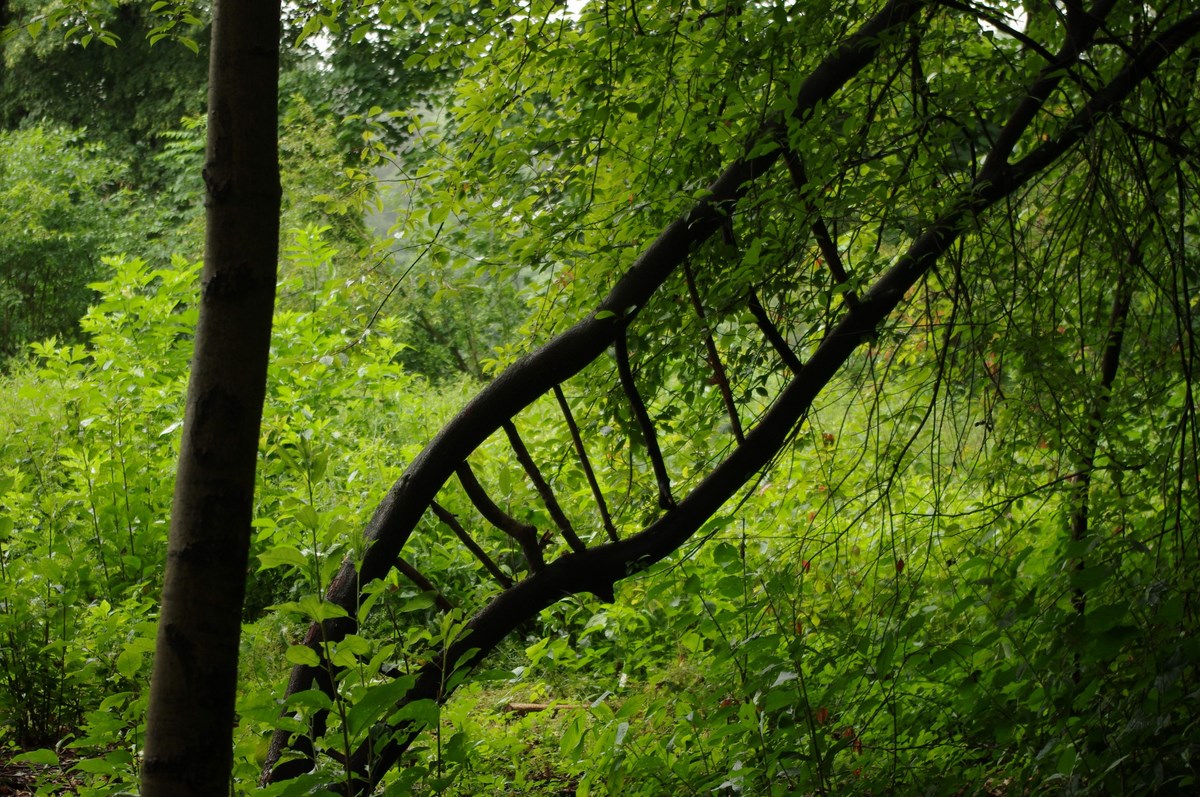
(543,488)
(577,439)
(643,418)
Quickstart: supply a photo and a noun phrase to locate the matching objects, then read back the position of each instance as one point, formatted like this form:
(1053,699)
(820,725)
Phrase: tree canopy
(832,374)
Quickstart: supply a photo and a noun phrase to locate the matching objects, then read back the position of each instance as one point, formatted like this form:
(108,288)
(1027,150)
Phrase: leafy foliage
(971,572)
(60,199)
(124,89)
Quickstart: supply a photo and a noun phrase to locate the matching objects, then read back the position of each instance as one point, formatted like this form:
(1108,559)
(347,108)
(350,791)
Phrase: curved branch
(521,384)
(598,569)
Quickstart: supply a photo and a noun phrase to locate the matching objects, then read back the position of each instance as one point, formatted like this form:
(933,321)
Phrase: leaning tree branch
(773,335)
(424,584)
(598,569)
(720,375)
(820,231)
(396,517)
(543,488)
(1039,92)
(522,383)
(524,534)
(447,517)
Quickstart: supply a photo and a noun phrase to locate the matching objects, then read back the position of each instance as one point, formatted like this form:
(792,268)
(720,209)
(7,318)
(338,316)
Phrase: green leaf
(619,736)
(572,738)
(416,603)
(730,587)
(318,609)
(302,654)
(129,662)
(308,517)
(1102,618)
(374,702)
(726,556)
(311,698)
(42,756)
(423,712)
(282,555)
(1066,760)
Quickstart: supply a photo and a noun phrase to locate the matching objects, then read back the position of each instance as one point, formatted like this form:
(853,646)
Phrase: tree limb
(714,357)
(447,517)
(524,534)
(642,416)
(401,509)
(599,568)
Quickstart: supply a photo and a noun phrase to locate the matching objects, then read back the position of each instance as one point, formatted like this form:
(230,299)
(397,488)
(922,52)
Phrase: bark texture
(191,714)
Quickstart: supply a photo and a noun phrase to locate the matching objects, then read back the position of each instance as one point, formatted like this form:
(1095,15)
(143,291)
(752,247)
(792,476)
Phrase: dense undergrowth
(973,570)
(845,628)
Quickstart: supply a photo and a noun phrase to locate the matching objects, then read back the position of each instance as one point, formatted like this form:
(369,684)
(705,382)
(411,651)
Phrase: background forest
(969,567)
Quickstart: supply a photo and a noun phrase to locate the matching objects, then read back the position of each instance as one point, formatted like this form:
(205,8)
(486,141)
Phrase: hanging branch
(825,241)
(773,335)
(768,328)
(425,585)
(524,534)
(644,423)
(543,488)
(714,358)
(447,517)
(577,439)
(1109,362)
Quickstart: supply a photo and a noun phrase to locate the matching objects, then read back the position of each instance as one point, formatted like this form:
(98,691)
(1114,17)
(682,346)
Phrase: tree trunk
(191,714)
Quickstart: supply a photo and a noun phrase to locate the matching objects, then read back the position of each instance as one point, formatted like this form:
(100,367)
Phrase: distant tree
(124,87)
(60,201)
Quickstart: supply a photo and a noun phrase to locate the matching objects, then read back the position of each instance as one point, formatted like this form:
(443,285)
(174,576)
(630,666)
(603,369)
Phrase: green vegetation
(969,568)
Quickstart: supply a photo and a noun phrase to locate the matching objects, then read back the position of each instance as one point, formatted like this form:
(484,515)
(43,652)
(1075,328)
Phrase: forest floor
(17,780)
(23,780)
